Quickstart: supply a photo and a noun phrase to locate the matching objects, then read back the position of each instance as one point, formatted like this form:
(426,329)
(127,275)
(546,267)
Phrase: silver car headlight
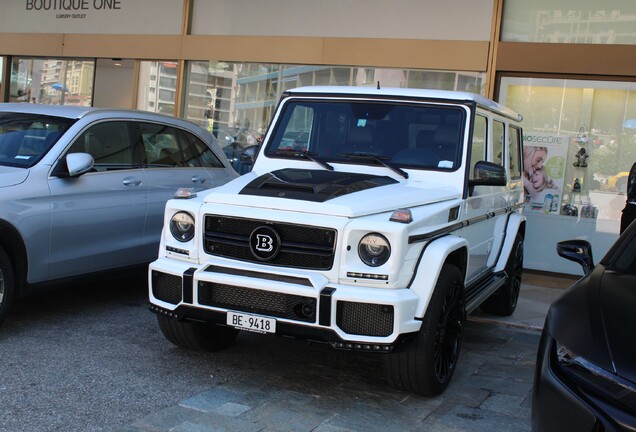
(182,226)
(374,249)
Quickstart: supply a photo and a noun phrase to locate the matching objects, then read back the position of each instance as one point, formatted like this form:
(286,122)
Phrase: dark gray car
(585,378)
(83,190)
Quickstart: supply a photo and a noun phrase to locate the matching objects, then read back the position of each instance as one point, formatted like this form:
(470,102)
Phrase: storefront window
(579,144)
(52,81)
(235,101)
(580,22)
(157,86)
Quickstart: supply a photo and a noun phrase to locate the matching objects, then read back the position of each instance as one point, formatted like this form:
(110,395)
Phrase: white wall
(399,19)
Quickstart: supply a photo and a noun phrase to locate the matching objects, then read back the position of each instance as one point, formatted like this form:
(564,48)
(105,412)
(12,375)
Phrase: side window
(514,144)
(498,129)
(196,153)
(161,144)
(108,143)
(478,145)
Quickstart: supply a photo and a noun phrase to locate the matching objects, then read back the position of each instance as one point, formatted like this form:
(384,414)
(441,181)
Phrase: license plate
(253,323)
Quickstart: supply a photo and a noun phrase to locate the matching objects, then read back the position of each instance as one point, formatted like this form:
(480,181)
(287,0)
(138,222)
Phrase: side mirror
(248,155)
(79,163)
(579,251)
(487,174)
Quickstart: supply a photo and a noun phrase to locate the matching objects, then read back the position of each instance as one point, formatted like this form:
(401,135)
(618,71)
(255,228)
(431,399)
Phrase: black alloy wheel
(448,335)
(426,364)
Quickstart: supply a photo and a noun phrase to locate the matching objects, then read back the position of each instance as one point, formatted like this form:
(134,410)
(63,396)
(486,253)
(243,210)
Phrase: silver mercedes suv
(83,190)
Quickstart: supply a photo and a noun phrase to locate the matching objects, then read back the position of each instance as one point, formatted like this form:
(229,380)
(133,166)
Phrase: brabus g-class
(373,219)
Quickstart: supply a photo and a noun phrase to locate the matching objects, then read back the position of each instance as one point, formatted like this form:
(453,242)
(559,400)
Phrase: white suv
(373,219)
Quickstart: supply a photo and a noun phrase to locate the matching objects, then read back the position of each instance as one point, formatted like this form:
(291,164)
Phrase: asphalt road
(90,357)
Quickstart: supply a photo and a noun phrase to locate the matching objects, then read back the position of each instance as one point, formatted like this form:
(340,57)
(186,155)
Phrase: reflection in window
(157,87)
(168,147)
(210,95)
(26,138)
(161,145)
(498,142)
(514,139)
(562,117)
(580,22)
(108,143)
(52,81)
(359,132)
(478,147)
(235,101)
(598,116)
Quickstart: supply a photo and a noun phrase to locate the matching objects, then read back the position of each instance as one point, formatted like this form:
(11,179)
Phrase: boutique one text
(72,5)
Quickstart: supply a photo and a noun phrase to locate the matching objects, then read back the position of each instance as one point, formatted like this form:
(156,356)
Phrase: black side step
(481,289)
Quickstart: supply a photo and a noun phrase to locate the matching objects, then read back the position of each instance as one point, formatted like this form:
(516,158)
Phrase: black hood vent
(312,185)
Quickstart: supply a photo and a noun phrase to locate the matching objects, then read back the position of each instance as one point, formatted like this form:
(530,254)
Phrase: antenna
(378,85)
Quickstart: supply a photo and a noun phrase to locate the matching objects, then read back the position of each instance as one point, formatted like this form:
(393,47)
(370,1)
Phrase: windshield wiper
(308,155)
(382,160)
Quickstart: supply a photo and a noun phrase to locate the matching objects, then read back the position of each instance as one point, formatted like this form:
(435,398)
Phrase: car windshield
(26,138)
(419,136)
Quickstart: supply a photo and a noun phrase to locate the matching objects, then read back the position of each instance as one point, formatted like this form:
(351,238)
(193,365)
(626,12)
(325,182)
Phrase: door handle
(131,181)
(198,179)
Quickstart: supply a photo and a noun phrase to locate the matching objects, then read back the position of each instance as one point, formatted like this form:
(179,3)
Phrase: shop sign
(75,9)
(91,16)
(544,157)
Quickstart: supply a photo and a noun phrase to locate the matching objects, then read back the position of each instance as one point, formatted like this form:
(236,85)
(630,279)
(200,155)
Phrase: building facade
(567,66)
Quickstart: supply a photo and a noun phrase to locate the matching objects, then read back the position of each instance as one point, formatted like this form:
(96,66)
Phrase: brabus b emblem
(264,243)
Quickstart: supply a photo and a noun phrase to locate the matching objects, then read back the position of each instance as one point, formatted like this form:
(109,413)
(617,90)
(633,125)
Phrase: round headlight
(374,249)
(182,226)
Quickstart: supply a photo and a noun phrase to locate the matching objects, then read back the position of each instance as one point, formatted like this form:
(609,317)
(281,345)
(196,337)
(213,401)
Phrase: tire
(7,285)
(503,302)
(426,365)
(196,336)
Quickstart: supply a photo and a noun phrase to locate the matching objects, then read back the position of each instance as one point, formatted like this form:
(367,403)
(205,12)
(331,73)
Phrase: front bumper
(305,305)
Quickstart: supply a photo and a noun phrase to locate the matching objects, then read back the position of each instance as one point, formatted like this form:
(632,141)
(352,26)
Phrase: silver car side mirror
(79,163)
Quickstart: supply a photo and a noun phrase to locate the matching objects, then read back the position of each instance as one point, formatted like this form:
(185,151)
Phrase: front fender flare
(434,254)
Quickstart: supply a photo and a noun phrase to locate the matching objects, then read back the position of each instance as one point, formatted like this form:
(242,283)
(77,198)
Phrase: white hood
(375,199)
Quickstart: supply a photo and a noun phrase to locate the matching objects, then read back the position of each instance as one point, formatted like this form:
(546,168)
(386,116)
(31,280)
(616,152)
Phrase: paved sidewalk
(537,293)
(344,391)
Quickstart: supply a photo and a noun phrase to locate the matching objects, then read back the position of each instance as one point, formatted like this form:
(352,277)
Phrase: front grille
(302,246)
(166,287)
(364,319)
(293,307)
